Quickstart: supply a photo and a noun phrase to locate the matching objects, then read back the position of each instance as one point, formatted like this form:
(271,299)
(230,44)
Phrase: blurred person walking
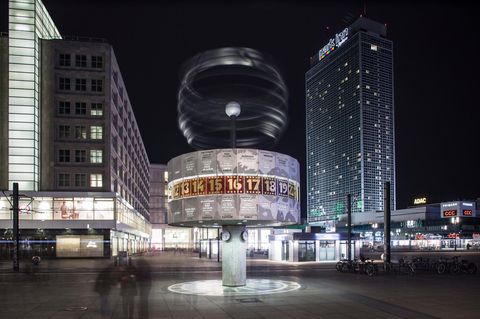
(144,280)
(103,284)
(128,290)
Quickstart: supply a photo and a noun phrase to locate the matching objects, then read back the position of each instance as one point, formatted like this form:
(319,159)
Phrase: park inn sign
(335,42)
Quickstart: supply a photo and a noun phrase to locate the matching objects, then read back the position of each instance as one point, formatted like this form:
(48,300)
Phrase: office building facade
(350,122)
(72,143)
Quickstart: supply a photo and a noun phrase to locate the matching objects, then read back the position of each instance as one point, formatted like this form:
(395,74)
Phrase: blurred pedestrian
(144,281)
(128,290)
(103,284)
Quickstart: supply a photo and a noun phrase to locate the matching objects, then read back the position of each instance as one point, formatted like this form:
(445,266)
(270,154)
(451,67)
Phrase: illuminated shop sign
(467,212)
(450,213)
(335,42)
(420,200)
(465,209)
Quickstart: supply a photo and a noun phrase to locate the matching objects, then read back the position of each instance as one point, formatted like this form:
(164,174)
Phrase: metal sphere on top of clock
(237,77)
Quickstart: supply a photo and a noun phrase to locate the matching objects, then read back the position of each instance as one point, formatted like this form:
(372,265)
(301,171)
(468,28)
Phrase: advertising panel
(454,209)
(266,162)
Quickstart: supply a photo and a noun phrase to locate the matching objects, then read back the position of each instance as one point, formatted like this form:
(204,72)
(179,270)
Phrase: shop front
(314,247)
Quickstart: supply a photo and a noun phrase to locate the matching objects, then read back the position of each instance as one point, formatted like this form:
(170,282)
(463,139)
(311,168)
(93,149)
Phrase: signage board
(420,201)
(333,43)
(459,208)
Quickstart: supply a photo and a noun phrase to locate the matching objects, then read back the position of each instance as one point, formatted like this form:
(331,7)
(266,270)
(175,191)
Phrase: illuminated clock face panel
(226,235)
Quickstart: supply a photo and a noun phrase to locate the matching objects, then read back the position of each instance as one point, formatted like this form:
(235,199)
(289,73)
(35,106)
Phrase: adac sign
(419,201)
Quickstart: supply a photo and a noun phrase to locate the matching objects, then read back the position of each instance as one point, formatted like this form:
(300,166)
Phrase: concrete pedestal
(234,259)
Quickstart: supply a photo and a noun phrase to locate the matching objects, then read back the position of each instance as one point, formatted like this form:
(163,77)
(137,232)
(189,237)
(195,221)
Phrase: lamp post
(455,221)
(232,109)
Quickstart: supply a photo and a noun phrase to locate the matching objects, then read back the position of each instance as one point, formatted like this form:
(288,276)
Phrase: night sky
(435,59)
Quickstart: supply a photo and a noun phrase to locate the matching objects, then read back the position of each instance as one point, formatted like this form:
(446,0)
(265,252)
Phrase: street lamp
(455,221)
(232,109)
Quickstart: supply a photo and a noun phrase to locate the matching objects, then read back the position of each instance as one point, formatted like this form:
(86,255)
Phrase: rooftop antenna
(364,9)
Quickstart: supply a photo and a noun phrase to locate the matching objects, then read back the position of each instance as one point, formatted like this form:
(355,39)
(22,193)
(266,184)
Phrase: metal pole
(349,227)
(218,244)
(234,131)
(16,240)
(386,221)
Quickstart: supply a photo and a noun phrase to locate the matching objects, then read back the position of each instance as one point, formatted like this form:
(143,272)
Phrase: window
(80,180)
(64,156)
(97,62)
(80,84)
(373,47)
(64,59)
(97,86)
(63,107)
(96,156)
(96,109)
(96,132)
(64,131)
(80,108)
(80,132)
(81,61)
(64,84)
(80,156)
(96,180)
(63,180)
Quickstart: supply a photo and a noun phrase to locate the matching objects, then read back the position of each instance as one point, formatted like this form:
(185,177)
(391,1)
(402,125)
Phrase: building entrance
(285,250)
(306,250)
(327,250)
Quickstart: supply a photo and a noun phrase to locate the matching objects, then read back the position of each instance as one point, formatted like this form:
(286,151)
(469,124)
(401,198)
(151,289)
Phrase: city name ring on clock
(249,187)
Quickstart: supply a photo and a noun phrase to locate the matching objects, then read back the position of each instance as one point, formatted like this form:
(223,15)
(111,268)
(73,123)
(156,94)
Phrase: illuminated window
(80,108)
(80,156)
(96,132)
(63,180)
(80,180)
(80,132)
(64,84)
(97,85)
(64,156)
(96,180)
(81,61)
(63,107)
(80,84)
(64,60)
(96,109)
(97,62)
(373,47)
(96,156)
(64,131)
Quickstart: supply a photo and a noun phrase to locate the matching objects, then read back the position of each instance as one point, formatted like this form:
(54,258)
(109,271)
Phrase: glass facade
(29,22)
(350,130)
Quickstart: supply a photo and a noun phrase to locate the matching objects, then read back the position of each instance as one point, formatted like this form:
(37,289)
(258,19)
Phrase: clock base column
(234,257)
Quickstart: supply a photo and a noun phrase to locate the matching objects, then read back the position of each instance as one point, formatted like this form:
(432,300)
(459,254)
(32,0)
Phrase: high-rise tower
(350,122)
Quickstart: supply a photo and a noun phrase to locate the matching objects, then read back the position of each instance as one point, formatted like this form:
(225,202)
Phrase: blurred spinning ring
(212,79)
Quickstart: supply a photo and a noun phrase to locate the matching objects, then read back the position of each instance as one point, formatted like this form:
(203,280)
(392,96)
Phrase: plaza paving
(51,292)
